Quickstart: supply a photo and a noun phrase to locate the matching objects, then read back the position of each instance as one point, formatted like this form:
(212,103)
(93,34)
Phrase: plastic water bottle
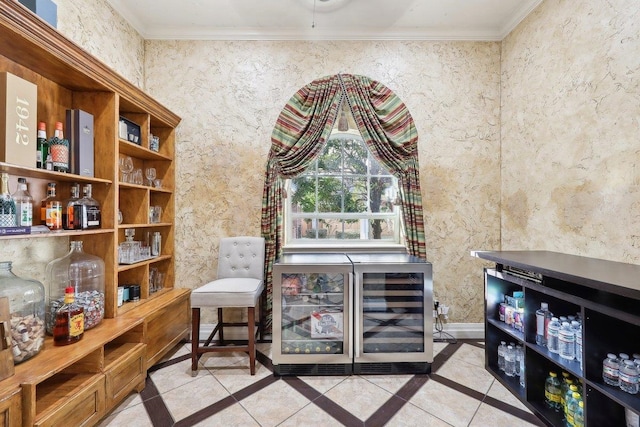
(577,330)
(501,351)
(542,319)
(519,356)
(552,392)
(510,362)
(610,370)
(566,398)
(522,373)
(564,388)
(572,406)
(566,342)
(578,417)
(628,376)
(552,338)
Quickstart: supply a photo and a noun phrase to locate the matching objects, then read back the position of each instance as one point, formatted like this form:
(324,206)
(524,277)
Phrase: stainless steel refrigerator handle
(355,294)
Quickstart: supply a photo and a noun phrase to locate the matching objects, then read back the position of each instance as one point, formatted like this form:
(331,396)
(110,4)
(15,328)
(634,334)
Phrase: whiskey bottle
(69,320)
(7,204)
(24,204)
(59,150)
(68,215)
(89,210)
(42,146)
(51,208)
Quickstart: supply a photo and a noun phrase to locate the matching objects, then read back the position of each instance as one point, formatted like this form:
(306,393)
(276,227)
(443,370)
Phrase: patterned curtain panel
(303,127)
(390,133)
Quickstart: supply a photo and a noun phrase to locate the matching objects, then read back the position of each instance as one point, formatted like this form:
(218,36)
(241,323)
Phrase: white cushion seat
(232,292)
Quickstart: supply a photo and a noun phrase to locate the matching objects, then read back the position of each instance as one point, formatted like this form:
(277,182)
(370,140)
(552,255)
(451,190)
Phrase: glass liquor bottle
(7,204)
(89,210)
(68,214)
(59,150)
(42,146)
(51,208)
(24,204)
(69,320)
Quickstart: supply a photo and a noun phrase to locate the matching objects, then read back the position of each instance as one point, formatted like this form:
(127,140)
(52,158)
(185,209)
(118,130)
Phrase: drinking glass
(150,173)
(126,167)
(137,177)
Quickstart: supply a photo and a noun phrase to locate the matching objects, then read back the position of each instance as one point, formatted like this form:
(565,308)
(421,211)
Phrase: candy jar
(85,273)
(26,305)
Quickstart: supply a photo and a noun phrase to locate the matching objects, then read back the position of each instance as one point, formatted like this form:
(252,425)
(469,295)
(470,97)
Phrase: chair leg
(195,337)
(221,325)
(251,322)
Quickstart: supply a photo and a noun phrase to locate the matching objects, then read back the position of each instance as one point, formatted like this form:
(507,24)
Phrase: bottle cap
(42,126)
(544,305)
(22,180)
(58,125)
(576,395)
(68,290)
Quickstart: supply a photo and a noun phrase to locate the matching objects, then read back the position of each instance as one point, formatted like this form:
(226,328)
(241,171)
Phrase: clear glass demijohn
(85,273)
(26,305)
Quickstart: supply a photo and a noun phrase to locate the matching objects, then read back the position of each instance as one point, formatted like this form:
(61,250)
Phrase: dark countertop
(611,276)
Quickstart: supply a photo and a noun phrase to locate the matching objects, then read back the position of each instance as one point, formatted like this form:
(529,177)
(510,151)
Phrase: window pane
(355,156)
(381,229)
(348,229)
(310,228)
(330,160)
(329,194)
(303,194)
(383,194)
(375,167)
(355,194)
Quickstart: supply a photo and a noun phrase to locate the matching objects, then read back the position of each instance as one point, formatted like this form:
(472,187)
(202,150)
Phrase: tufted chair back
(241,256)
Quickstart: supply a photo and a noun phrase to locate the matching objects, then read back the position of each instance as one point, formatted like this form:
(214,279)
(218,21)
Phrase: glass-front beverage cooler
(393,296)
(312,315)
(352,313)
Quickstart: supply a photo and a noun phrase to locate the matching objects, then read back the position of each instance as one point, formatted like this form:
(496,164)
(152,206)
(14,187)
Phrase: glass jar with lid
(85,273)
(26,305)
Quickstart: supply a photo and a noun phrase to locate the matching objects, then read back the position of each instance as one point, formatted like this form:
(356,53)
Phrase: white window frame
(397,243)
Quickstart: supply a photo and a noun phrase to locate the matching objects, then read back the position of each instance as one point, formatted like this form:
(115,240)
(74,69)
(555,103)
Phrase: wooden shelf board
(61,233)
(131,149)
(50,175)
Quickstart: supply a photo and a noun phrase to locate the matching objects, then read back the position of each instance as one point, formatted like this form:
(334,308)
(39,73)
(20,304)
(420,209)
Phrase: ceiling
(324,19)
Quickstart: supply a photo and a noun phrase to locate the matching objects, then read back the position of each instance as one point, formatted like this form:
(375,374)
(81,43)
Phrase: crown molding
(310,34)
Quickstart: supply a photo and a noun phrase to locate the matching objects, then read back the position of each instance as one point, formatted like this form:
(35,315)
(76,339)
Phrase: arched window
(345,197)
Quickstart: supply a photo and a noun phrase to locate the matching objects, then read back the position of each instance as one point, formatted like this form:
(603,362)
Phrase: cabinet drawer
(125,374)
(11,409)
(85,407)
(166,327)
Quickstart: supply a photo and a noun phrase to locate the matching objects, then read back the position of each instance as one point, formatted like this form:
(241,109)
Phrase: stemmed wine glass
(150,173)
(126,167)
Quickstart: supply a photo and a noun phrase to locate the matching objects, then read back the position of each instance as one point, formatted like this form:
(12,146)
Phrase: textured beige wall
(570,128)
(229,95)
(101,31)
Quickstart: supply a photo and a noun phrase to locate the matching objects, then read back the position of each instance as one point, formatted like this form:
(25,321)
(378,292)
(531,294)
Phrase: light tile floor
(459,392)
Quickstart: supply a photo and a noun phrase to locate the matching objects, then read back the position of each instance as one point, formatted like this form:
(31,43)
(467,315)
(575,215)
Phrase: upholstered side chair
(240,283)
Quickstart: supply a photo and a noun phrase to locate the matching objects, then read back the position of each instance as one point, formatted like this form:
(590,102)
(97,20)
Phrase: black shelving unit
(606,296)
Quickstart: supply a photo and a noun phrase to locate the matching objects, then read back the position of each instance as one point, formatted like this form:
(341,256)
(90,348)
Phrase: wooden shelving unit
(79,384)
